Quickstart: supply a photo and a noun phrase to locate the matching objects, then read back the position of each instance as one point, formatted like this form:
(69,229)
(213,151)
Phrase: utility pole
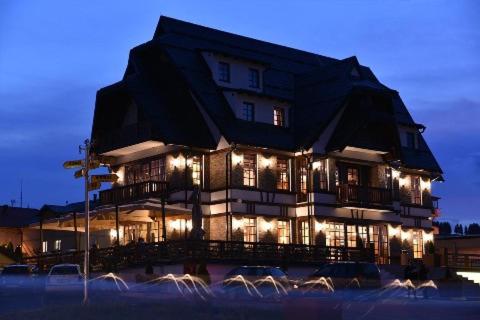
(86,262)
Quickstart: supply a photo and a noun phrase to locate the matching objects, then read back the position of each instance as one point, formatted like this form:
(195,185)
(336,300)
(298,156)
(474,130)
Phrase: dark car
(343,275)
(261,281)
(17,277)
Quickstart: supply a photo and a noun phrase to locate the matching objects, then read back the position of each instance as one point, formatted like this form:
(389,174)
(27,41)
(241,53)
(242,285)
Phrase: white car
(64,277)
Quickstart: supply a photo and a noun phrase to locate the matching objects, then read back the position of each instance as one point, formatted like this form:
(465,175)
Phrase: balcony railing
(133,192)
(363,196)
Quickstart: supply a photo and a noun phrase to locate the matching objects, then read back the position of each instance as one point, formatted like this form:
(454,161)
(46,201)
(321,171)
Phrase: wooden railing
(133,192)
(463,261)
(363,196)
(208,250)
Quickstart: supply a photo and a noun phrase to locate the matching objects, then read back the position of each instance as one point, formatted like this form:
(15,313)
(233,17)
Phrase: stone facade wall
(217,227)
(217,170)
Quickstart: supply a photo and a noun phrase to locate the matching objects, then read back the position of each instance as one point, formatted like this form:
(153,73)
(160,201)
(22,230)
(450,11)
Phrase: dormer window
(248,111)
(279,116)
(223,71)
(253,78)
(411,140)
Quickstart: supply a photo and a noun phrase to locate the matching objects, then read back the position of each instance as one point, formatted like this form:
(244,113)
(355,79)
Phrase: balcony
(361,196)
(133,192)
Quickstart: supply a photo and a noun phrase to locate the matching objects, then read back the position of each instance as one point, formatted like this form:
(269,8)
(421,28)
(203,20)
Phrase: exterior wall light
(237,159)
(267,162)
(320,226)
(393,231)
(405,235)
(395,174)
(267,226)
(316,165)
(176,162)
(175,224)
(425,185)
(427,236)
(237,224)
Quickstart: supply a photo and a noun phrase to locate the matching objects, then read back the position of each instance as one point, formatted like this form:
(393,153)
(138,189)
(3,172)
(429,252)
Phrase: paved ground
(107,302)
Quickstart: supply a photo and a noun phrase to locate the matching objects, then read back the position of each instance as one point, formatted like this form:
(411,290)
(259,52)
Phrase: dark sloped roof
(162,73)
(14,217)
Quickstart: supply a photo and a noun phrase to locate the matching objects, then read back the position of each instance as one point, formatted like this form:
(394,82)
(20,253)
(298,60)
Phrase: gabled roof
(168,75)
(15,217)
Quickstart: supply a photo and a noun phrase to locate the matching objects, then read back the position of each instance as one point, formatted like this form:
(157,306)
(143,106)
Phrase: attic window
(354,73)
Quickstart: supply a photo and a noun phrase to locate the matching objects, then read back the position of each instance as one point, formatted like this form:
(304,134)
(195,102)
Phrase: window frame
(283,174)
(253,78)
(250,229)
(248,111)
(224,71)
(250,170)
(283,231)
(196,170)
(416,190)
(279,117)
(305,232)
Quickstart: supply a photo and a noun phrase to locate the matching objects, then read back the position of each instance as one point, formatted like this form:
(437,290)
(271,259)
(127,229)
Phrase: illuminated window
(335,234)
(157,170)
(303,176)
(283,231)
(282,174)
(253,78)
(305,232)
(196,170)
(352,176)
(416,191)
(44,246)
(224,71)
(279,117)
(322,175)
(249,170)
(351,237)
(250,229)
(362,234)
(417,241)
(58,245)
(248,111)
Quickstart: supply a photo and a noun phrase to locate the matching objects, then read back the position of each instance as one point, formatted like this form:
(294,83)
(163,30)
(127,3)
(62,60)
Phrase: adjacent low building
(286,146)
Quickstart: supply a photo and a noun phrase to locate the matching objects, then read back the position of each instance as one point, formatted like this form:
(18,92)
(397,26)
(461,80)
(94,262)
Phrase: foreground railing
(463,261)
(353,194)
(133,192)
(209,250)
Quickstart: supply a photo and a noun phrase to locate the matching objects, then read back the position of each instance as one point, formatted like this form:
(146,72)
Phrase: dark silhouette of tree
(473,228)
(444,228)
(458,229)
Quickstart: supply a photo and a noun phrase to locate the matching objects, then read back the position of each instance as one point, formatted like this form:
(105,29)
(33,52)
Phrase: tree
(473,228)
(458,229)
(444,228)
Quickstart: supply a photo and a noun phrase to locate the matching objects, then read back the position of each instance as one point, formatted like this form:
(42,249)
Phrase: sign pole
(87,223)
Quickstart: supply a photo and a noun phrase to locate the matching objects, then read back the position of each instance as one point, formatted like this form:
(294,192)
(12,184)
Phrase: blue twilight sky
(55,55)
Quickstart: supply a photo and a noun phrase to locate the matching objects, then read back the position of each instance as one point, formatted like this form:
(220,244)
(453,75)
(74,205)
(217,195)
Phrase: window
(352,177)
(351,237)
(282,174)
(283,231)
(303,176)
(335,235)
(58,245)
(250,229)
(248,111)
(279,117)
(322,175)
(157,170)
(362,234)
(196,170)
(224,71)
(416,192)
(44,246)
(249,170)
(417,241)
(253,78)
(411,140)
(304,231)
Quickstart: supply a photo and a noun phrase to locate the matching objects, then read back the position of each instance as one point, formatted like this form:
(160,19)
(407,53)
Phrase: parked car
(342,275)
(18,277)
(64,277)
(256,281)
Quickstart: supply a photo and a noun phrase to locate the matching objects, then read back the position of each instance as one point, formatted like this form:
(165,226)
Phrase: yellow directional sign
(104,178)
(73,164)
(79,173)
(94,185)
(105,160)
(93,164)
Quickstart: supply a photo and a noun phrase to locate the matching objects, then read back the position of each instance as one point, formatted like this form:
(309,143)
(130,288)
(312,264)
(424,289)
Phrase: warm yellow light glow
(267,162)
(402,182)
(393,231)
(175,224)
(237,158)
(405,235)
(267,226)
(113,233)
(425,185)
(237,224)
(395,174)
(189,224)
(320,225)
(120,174)
(316,165)
(189,162)
(176,162)
(427,236)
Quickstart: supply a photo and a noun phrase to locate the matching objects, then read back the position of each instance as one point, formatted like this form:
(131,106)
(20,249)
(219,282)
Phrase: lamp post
(86,262)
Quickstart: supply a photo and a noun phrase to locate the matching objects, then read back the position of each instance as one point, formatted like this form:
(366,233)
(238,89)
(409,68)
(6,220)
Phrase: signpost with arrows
(92,182)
